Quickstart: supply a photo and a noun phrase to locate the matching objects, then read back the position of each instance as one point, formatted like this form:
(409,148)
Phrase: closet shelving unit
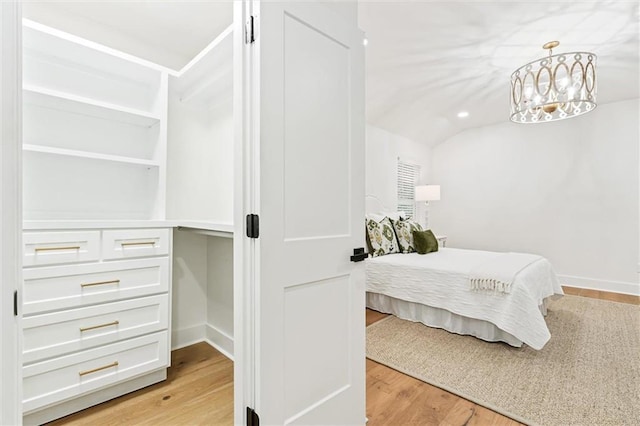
(94,130)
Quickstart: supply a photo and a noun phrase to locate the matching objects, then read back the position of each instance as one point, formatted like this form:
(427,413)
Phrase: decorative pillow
(379,216)
(382,237)
(404,231)
(425,241)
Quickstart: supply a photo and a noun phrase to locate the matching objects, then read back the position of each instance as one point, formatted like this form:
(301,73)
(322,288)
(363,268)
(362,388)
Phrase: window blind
(408,175)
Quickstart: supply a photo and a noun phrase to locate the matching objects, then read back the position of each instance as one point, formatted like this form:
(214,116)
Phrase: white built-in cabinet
(94,131)
(120,158)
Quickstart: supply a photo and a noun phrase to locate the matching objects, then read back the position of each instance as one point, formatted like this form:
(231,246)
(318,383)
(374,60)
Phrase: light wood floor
(199,391)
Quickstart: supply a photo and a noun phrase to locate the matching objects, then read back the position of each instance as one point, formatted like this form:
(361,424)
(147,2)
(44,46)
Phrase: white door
(307,186)
(10,213)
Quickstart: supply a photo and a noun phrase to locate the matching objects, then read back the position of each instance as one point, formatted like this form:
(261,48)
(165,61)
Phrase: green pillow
(425,242)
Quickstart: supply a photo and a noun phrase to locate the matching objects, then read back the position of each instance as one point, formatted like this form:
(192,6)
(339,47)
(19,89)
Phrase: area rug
(587,374)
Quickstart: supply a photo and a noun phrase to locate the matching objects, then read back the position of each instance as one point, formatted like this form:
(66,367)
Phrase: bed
(435,289)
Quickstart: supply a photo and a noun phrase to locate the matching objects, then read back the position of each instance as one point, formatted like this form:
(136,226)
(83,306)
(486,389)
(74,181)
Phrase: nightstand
(442,240)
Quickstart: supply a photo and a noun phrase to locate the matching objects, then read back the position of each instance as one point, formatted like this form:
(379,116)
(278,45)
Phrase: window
(408,175)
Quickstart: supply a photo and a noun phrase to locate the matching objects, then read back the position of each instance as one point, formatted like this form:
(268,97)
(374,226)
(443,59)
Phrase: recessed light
(365,41)
(463,114)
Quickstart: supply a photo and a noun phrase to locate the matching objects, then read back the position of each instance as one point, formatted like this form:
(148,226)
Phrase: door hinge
(253,226)
(252,417)
(250,31)
(15,303)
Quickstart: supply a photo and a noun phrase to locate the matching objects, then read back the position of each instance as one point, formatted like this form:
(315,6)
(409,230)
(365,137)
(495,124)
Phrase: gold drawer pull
(141,243)
(93,370)
(100,283)
(93,327)
(37,249)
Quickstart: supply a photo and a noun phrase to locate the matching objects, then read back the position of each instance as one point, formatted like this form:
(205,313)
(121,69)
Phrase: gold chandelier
(554,88)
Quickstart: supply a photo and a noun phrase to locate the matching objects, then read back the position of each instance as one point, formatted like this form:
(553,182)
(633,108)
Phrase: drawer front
(58,333)
(49,248)
(64,287)
(129,243)
(58,379)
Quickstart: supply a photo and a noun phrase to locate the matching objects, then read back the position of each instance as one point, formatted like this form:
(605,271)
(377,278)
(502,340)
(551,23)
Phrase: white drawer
(58,379)
(54,334)
(47,248)
(127,243)
(64,287)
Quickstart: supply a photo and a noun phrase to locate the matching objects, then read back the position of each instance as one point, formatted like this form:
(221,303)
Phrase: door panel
(309,145)
(316,132)
(309,332)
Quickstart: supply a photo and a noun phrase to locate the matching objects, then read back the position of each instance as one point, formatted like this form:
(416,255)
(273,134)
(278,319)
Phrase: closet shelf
(80,105)
(90,155)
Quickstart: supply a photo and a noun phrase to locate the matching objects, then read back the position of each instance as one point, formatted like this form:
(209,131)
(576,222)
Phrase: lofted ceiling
(426,60)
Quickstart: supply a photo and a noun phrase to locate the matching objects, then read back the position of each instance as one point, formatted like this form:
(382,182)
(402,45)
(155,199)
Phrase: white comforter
(441,280)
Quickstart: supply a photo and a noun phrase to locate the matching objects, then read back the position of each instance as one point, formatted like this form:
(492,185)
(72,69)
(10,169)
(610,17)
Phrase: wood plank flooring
(199,391)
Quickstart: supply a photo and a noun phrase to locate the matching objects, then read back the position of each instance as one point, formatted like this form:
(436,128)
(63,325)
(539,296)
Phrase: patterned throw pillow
(404,230)
(382,237)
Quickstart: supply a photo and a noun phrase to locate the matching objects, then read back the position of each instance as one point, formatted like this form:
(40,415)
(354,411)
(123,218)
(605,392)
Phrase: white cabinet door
(309,164)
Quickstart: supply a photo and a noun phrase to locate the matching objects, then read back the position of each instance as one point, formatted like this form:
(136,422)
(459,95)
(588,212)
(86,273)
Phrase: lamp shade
(427,192)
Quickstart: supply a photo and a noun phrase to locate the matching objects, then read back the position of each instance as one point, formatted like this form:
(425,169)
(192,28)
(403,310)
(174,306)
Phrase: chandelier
(554,88)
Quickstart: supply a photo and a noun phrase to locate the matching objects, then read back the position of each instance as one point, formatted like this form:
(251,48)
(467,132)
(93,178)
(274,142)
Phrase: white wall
(382,151)
(202,298)
(566,190)
(189,289)
(220,293)
(200,162)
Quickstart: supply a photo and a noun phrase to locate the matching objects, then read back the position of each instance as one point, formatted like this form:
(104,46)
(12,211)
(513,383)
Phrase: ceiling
(169,33)
(425,60)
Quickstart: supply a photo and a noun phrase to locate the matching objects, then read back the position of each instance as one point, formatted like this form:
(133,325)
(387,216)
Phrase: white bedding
(441,280)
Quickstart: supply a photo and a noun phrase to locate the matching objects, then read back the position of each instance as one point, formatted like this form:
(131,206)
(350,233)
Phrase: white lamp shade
(427,192)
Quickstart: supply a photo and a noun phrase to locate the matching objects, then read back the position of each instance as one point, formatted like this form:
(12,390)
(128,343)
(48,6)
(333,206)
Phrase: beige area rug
(587,374)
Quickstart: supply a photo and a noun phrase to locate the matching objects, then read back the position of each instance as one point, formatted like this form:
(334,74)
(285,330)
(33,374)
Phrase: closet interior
(128,209)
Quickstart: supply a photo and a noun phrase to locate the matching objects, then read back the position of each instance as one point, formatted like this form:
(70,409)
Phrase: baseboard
(603,285)
(203,333)
(220,340)
(188,336)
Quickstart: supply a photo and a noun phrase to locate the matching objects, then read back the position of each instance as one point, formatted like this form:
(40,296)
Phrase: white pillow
(394,215)
(382,237)
(375,216)
(379,216)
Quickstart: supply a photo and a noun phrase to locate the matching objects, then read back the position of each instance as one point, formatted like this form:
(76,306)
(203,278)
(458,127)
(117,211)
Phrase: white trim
(216,41)
(244,90)
(219,340)
(93,45)
(207,333)
(187,336)
(600,284)
(10,211)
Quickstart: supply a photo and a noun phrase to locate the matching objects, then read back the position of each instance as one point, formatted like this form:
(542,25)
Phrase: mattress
(441,280)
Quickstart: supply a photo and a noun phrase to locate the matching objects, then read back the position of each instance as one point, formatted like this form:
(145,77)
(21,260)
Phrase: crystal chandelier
(554,88)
